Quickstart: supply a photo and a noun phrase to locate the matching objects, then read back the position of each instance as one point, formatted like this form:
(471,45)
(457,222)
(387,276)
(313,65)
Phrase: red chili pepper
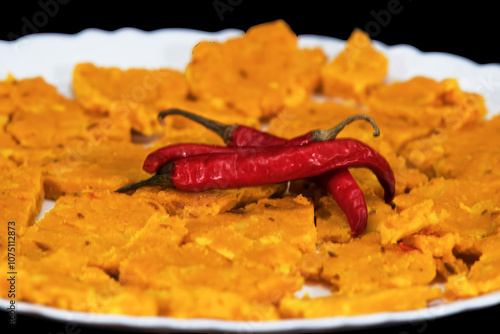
(339,183)
(348,195)
(159,158)
(236,136)
(241,135)
(283,163)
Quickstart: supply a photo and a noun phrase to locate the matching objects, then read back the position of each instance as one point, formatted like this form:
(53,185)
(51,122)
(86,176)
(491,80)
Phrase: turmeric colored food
(93,167)
(135,94)
(426,102)
(258,74)
(357,69)
(248,253)
(207,203)
(21,197)
(42,118)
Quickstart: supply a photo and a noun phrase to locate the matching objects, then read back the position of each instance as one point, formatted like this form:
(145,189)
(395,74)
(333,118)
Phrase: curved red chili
(339,183)
(237,136)
(157,159)
(283,163)
(348,195)
(241,135)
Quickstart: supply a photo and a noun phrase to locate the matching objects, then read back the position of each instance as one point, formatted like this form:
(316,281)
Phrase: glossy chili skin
(155,160)
(282,163)
(339,183)
(247,136)
(348,195)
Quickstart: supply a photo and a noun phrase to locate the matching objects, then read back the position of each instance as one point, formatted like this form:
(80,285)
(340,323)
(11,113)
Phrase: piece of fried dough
(484,274)
(134,94)
(364,265)
(385,300)
(210,303)
(207,203)
(72,284)
(39,117)
(87,166)
(426,102)
(256,235)
(21,198)
(195,267)
(464,154)
(258,73)
(268,220)
(355,70)
(468,213)
(92,224)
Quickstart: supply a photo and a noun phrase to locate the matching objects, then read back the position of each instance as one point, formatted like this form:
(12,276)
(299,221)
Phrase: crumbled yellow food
(355,70)
(207,203)
(426,102)
(469,205)
(134,94)
(60,129)
(42,118)
(385,300)
(484,275)
(364,265)
(207,302)
(6,140)
(331,222)
(91,166)
(33,95)
(258,73)
(94,224)
(65,280)
(21,197)
(463,154)
(409,221)
(243,254)
(268,221)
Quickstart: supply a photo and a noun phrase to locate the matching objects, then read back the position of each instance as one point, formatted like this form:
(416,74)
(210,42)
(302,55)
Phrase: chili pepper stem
(223,130)
(161,178)
(329,134)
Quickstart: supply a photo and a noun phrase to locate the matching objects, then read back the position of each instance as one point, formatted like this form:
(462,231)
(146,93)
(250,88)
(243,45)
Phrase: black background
(469,30)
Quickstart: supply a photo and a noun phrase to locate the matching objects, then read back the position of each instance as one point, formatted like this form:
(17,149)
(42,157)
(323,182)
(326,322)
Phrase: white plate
(54,55)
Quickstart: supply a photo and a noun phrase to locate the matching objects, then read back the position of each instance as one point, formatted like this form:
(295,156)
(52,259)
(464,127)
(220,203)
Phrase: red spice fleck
(93,196)
(406,248)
